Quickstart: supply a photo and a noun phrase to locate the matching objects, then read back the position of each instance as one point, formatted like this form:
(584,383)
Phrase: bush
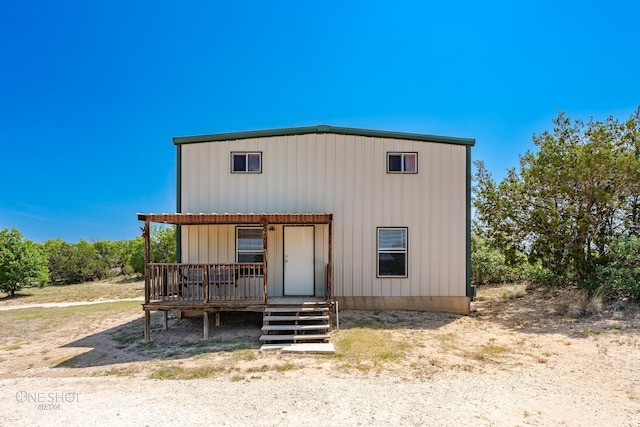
(620,277)
(22,262)
(163,248)
(489,265)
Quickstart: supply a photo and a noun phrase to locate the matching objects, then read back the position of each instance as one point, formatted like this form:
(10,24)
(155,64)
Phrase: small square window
(246,162)
(402,162)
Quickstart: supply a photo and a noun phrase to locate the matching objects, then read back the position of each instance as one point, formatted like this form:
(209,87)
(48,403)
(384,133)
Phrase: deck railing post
(205,283)
(264,261)
(147,251)
(330,264)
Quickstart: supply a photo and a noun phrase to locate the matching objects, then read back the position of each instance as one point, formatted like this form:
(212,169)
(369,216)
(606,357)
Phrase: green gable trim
(471,290)
(178,202)
(323,129)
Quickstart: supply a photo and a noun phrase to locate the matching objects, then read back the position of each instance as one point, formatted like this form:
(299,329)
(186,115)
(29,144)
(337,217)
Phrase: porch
(215,287)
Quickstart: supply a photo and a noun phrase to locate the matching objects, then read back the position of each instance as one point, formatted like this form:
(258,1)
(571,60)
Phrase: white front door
(298,260)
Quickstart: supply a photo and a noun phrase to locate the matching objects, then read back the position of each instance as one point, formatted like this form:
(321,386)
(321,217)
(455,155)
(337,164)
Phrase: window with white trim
(392,252)
(246,162)
(249,244)
(402,162)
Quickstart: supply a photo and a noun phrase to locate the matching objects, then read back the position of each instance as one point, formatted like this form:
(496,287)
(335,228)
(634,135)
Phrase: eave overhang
(238,218)
(319,129)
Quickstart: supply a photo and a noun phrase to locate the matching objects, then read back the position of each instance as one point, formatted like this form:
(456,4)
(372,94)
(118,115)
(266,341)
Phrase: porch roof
(238,218)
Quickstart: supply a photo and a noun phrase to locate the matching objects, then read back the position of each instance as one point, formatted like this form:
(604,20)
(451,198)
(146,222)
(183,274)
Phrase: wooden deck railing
(205,282)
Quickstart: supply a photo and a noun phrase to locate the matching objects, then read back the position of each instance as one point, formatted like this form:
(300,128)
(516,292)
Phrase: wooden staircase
(301,323)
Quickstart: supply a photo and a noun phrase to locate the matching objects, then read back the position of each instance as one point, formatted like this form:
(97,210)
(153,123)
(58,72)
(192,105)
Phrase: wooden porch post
(147,281)
(330,263)
(147,256)
(265,290)
(205,324)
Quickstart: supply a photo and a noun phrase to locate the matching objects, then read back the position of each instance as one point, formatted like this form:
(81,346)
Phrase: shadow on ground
(552,311)
(183,339)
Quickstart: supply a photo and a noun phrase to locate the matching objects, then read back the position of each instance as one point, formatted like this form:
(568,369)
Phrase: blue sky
(91,93)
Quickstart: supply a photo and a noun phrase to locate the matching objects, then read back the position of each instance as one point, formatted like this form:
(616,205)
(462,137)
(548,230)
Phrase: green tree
(568,199)
(162,244)
(76,263)
(22,262)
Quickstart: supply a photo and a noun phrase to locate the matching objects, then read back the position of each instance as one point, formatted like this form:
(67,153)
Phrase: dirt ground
(523,357)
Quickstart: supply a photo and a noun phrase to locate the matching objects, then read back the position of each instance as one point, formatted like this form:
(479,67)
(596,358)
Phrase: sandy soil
(519,359)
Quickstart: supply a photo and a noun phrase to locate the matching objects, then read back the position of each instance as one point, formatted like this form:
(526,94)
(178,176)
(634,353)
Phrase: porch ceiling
(239,218)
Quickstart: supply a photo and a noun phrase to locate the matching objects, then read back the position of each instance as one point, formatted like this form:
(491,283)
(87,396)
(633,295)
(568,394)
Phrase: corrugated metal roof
(238,218)
(322,129)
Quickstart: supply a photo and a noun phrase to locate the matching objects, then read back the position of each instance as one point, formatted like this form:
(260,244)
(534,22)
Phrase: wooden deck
(231,305)
(273,304)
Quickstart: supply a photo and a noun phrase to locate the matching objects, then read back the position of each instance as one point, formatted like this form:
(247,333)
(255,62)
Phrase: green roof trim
(323,129)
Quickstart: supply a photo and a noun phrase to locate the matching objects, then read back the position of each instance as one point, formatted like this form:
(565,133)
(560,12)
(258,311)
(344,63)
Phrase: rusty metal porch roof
(237,218)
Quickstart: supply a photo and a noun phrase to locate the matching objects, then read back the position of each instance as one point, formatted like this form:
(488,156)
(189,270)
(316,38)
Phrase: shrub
(621,275)
(22,262)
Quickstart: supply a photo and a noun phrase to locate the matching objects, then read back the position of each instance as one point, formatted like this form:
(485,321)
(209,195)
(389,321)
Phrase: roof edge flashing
(322,129)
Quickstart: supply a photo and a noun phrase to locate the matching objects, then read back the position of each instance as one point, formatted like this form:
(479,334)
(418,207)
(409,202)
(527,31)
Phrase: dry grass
(90,291)
(31,323)
(367,348)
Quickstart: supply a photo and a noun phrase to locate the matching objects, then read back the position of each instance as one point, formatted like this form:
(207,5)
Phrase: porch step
(295,338)
(296,323)
(297,309)
(294,318)
(320,327)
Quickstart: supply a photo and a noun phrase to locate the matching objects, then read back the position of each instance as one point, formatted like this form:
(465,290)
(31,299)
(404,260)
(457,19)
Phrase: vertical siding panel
(309,172)
(192,171)
(424,166)
(453,221)
(346,174)
(224,234)
(388,201)
(203,244)
(404,214)
(377,210)
(223,177)
(445,221)
(328,177)
(218,185)
(459,255)
(321,182)
(342,220)
(367,221)
(417,241)
(290,169)
(203,177)
(357,200)
(281,177)
(250,195)
(269,192)
(436,220)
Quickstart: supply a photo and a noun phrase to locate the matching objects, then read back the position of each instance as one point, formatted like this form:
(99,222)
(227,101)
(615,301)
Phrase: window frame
(246,161)
(245,251)
(404,251)
(402,155)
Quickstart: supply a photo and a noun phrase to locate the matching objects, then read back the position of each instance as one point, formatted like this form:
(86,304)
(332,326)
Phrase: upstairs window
(392,252)
(246,162)
(402,162)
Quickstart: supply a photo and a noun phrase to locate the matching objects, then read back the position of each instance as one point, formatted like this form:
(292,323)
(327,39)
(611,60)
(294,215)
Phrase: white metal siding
(344,175)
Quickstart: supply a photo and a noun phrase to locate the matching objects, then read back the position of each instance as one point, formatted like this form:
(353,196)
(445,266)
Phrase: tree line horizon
(569,215)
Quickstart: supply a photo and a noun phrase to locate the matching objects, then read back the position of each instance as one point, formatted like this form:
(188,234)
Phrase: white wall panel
(344,175)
